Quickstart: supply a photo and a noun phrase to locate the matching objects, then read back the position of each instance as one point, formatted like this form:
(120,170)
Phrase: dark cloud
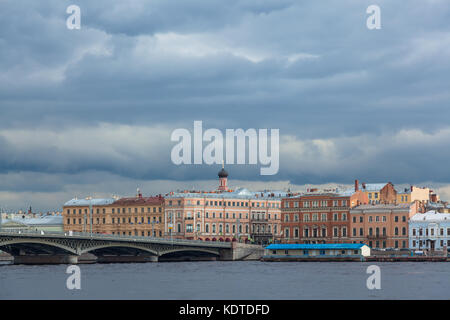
(311,69)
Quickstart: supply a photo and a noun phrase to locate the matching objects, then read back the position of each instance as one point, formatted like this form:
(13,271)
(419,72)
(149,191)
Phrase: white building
(429,230)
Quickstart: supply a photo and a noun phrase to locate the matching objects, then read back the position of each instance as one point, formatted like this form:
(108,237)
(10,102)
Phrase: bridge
(38,247)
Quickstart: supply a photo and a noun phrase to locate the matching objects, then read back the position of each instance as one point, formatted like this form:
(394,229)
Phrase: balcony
(377,236)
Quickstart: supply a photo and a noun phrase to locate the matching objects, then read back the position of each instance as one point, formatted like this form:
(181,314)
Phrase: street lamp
(238,221)
(90,215)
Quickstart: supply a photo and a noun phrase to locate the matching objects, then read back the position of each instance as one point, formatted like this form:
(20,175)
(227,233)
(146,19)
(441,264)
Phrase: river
(228,280)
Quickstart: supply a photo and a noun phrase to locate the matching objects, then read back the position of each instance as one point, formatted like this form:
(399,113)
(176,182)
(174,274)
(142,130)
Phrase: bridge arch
(200,250)
(10,245)
(97,248)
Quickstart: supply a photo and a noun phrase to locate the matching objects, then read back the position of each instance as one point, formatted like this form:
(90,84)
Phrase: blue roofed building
(323,251)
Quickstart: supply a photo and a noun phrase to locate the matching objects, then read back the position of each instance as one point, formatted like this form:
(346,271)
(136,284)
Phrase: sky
(91,111)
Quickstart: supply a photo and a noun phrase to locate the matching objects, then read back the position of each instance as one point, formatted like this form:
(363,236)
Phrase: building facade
(319,217)
(429,230)
(382,226)
(224,215)
(137,216)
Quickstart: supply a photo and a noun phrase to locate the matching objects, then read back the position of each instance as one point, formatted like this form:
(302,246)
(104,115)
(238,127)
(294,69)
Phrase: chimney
(412,187)
(356,185)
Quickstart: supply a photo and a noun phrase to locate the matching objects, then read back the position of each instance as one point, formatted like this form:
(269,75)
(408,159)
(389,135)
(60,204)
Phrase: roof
(436,205)
(321,246)
(372,186)
(45,220)
(430,216)
(139,201)
(241,193)
(337,193)
(86,202)
(381,207)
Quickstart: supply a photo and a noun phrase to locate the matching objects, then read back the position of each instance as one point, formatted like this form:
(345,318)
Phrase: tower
(223,177)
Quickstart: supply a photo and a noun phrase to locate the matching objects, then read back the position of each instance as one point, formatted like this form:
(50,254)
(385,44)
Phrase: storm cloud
(92,110)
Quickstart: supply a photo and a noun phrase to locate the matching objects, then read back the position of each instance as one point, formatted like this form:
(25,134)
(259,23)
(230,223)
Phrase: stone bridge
(37,247)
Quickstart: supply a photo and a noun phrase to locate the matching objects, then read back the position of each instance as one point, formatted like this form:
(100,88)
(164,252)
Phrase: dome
(223,173)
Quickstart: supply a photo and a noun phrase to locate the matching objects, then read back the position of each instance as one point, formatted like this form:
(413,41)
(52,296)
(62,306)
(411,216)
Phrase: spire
(223,175)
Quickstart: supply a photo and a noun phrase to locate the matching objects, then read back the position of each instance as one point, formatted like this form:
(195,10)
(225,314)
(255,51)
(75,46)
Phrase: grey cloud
(311,69)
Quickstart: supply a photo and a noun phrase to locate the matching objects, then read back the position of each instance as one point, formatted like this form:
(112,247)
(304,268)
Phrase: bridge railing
(70,234)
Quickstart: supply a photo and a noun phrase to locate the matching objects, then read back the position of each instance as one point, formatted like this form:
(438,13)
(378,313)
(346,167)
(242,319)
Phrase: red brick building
(319,217)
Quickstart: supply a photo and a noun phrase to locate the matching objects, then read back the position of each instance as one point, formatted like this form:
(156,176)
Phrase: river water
(228,280)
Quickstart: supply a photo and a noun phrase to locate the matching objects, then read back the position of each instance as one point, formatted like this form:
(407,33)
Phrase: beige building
(137,216)
(382,225)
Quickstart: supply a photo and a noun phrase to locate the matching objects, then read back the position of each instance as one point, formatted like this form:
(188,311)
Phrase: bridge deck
(118,238)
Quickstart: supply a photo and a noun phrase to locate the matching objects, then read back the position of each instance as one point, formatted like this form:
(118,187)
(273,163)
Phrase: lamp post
(90,216)
(153,223)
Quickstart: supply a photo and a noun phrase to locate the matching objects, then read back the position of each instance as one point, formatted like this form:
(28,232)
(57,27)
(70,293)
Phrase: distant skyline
(91,111)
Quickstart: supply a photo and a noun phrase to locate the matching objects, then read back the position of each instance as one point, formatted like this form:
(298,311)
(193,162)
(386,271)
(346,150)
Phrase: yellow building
(372,190)
(134,216)
(412,194)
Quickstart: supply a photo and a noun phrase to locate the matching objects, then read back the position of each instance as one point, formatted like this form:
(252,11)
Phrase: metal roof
(431,216)
(45,220)
(86,202)
(321,246)
(373,186)
(241,193)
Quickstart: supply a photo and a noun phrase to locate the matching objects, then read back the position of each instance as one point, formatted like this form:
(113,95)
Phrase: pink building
(224,215)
